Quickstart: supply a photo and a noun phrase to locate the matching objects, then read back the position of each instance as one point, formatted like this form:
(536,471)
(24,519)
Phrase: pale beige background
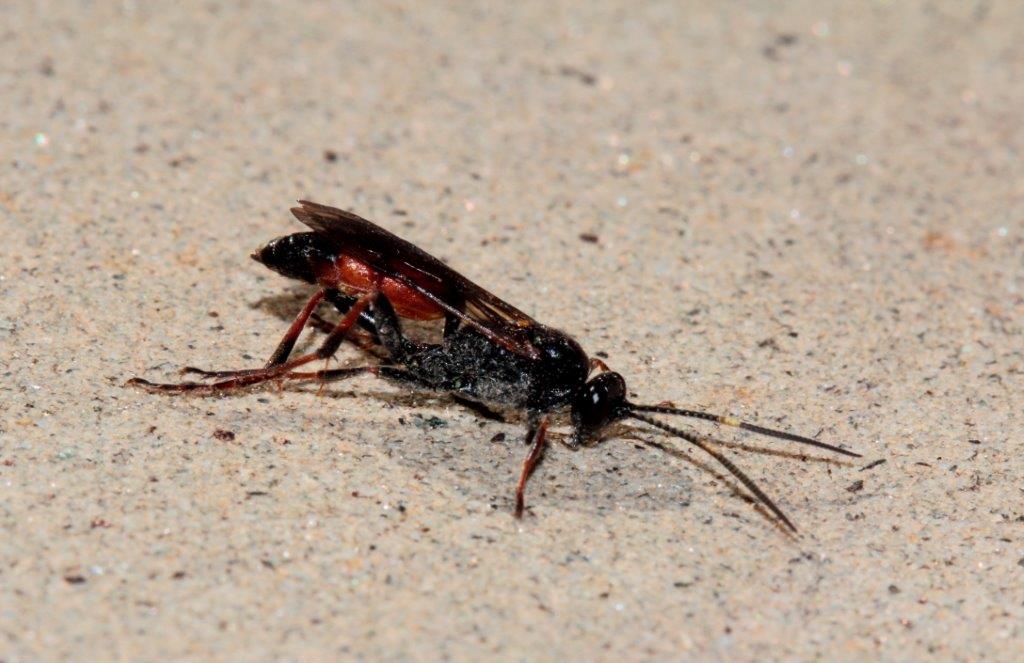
(808,215)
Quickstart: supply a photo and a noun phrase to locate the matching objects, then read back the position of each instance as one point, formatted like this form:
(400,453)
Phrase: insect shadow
(614,479)
(617,478)
(284,304)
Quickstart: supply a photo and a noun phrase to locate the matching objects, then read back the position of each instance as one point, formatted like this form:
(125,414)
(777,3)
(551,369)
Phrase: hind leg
(338,374)
(306,317)
(256,376)
(386,331)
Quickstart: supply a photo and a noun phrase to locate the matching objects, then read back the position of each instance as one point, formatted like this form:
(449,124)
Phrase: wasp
(490,353)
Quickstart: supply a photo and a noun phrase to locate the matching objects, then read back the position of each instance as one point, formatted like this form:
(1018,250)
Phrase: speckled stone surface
(806,214)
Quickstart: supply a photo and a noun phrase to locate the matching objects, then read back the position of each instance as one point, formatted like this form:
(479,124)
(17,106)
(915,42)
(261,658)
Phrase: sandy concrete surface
(807,215)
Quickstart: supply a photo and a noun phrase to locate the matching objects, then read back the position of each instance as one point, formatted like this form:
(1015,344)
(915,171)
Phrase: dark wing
(394,257)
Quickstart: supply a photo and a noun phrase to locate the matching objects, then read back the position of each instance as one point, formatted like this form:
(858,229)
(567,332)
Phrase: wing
(396,258)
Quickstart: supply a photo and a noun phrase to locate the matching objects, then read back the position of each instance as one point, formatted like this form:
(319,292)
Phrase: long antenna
(736,423)
(717,455)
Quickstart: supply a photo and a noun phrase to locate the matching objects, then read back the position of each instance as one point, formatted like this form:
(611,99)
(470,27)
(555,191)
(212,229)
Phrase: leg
(360,338)
(380,321)
(256,376)
(451,325)
(382,315)
(391,373)
(388,329)
(284,348)
(537,435)
(343,303)
(336,374)
(320,323)
(329,374)
(308,315)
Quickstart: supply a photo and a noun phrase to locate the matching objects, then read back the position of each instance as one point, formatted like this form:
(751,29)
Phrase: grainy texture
(805,214)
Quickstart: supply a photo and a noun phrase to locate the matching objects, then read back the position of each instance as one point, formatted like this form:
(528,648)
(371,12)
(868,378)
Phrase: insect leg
(320,323)
(358,337)
(326,349)
(451,324)
(537,436)
(343,303)
(389,331)
(336,374)
(284,347)
(306,317)
(391,373)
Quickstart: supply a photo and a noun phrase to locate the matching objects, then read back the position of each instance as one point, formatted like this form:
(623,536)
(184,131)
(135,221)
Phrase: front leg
(536,436)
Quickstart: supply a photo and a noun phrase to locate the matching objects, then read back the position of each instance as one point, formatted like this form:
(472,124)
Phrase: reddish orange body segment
(354,277)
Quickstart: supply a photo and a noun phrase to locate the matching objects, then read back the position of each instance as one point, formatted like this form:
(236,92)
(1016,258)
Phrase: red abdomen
(354,277)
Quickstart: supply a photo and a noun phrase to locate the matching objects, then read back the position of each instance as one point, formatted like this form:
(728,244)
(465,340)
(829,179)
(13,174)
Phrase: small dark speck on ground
(590,238)
(74,579)
(224,435)
(428,422)
(582,76)
(498,437)
(330,156)
(786,40)
(855,487)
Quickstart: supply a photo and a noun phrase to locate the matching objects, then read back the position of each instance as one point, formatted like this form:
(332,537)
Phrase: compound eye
(614,386)
(600,401)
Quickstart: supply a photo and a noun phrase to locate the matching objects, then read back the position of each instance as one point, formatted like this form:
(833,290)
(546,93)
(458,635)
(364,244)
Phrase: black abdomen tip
(295,255)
